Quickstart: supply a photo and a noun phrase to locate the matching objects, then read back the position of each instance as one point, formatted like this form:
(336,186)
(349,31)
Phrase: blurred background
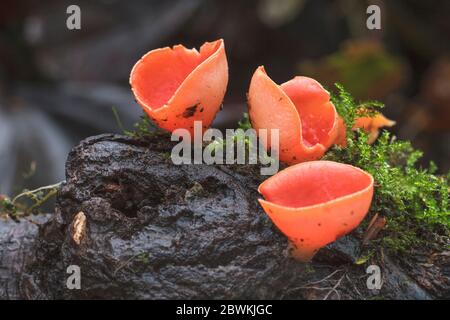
(58,86)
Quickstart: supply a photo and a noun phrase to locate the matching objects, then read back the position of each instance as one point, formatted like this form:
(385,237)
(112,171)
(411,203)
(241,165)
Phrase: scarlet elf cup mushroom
(315,203)
(370,125)
(302,111)
(177,86)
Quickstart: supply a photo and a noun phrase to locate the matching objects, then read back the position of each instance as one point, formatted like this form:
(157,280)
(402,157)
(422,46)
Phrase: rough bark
(159,231)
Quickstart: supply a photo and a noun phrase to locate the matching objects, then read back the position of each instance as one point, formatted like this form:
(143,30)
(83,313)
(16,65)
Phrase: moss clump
(245,123)
(27,202)
(414,200)
(143,128)
(7,208)
(143,258)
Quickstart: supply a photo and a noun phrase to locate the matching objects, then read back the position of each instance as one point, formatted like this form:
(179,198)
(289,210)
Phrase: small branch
(125,264)
(312,285)
(31,193)
(324,279)
(338,283)
(375,226)
(354,287)
(15,208)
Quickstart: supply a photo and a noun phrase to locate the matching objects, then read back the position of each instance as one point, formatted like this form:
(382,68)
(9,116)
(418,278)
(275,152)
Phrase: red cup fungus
(177,86)
(370,125)
(315,203)
(302,111)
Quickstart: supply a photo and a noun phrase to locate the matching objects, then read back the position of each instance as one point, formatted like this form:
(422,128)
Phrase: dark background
(58,86)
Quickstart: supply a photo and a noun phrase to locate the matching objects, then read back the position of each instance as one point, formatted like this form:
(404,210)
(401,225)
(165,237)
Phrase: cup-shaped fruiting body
(371,125)
(300,109)
(314,203)
(177,86)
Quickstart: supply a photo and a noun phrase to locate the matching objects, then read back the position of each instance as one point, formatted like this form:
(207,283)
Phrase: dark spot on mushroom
(319,224)
(302,240)
(352,212)
(189,112)
(201,110)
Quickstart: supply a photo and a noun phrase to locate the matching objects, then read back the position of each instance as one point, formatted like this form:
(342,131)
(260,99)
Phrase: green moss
(414,199)
(350,110)
(245,123)
(7,207)
(28,201)
(143,258)
(217,145)
(239,137)
(143,128)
